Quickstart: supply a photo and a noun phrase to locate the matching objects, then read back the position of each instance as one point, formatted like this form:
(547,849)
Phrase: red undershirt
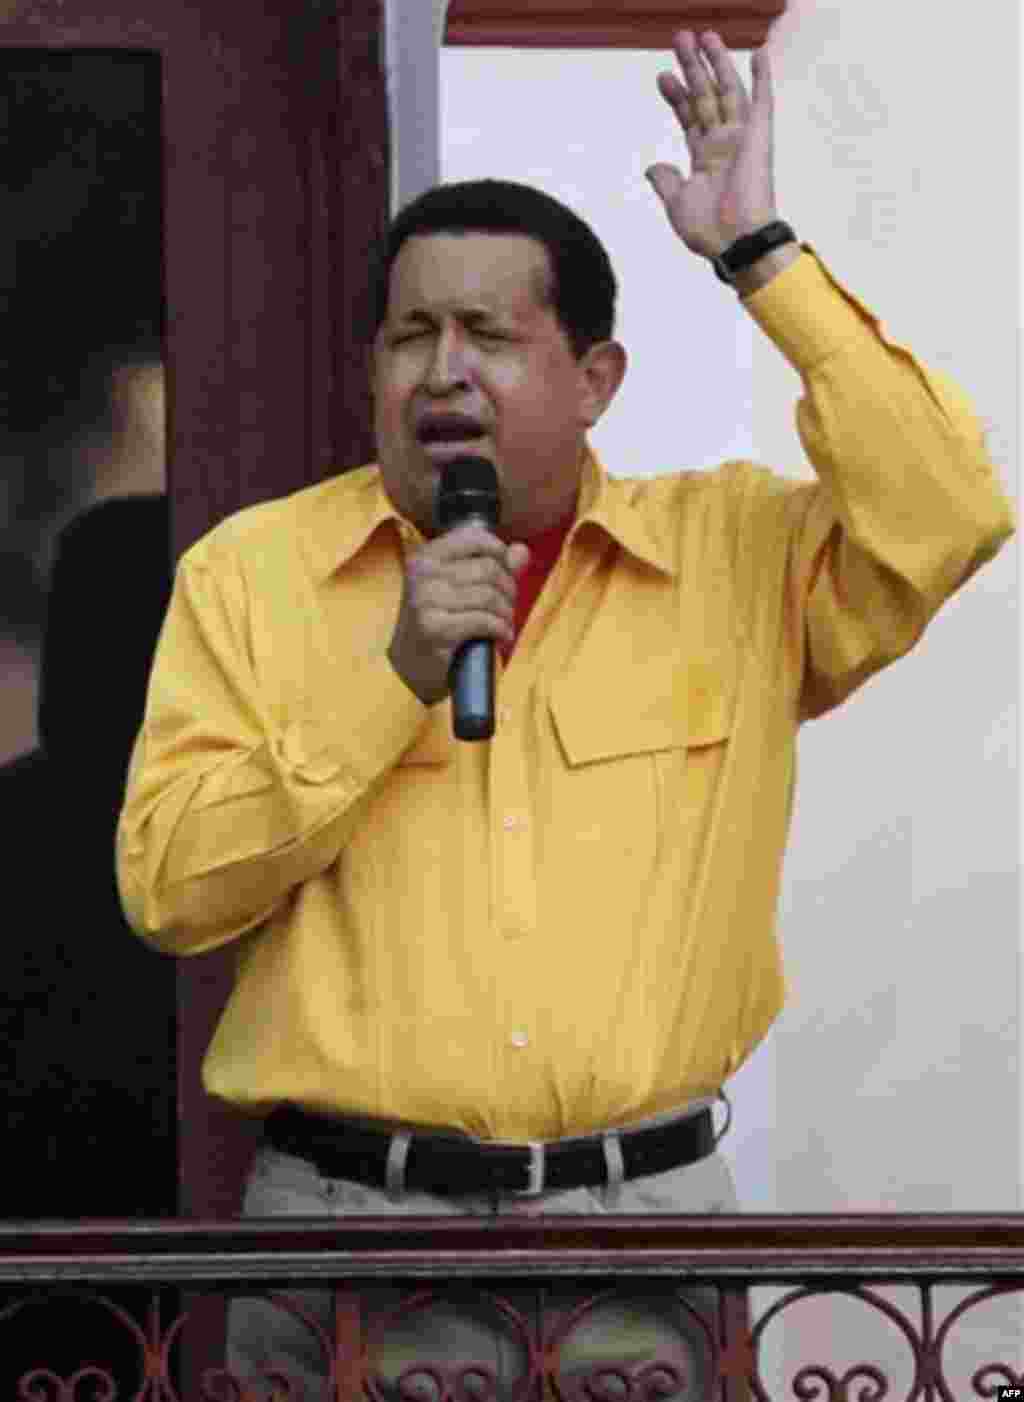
(544,549)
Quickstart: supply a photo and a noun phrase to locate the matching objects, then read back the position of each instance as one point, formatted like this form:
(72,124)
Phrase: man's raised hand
(731,189)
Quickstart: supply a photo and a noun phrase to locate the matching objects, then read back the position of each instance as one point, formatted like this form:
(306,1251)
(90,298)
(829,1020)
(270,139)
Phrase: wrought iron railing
(143,1340)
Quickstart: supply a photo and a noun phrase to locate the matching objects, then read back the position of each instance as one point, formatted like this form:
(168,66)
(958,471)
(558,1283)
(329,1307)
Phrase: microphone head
(469,487)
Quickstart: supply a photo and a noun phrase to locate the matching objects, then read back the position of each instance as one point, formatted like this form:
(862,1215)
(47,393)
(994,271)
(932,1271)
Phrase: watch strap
(750,248)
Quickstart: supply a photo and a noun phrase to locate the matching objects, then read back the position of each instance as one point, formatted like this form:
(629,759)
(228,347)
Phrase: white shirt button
(505,715)
(519,1039)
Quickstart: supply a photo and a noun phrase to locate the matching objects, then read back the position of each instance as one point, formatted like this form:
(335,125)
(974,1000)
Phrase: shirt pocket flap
(630,714)
(664,706)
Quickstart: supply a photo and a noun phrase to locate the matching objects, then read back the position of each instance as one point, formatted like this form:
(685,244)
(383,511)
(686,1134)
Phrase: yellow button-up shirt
(571,925)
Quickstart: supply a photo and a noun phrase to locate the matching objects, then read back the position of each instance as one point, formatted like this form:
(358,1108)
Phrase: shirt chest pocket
(644,748)
(689,779)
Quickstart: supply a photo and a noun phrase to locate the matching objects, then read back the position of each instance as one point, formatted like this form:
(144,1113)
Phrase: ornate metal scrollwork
(819,1383)
(222,1385)
(540,1346)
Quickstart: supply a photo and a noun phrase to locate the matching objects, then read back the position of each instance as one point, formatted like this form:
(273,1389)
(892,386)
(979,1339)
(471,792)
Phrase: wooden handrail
(209,1262)
(748,1247)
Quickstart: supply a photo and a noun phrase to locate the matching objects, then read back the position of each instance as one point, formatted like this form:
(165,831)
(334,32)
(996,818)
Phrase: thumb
(517,557)
(665,180)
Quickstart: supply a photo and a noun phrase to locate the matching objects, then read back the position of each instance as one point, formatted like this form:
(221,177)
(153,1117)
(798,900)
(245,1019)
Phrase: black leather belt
(450,1166)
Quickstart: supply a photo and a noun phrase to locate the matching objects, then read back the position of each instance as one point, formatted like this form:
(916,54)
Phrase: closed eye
(414,335)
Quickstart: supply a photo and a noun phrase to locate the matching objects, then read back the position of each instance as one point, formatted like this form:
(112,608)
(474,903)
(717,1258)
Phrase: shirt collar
(345,515)
(354,504)
(613,504)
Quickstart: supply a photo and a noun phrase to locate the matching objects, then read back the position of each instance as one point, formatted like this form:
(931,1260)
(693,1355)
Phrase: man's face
(466,334)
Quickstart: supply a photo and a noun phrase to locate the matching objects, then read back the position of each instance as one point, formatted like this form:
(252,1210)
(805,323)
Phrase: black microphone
(469,492)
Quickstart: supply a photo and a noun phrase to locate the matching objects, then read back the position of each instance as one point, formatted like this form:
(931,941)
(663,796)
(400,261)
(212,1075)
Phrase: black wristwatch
(750,248)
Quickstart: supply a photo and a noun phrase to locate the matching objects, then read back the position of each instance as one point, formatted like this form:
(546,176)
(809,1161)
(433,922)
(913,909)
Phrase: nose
(448,364)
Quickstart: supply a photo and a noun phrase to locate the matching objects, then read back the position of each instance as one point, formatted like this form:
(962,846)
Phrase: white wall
(902,885)
(890,1082)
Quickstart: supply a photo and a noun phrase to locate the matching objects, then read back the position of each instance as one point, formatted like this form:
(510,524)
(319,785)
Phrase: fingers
(518,557)
(702,96)
(468,571)
(472,582)
(732,96)
(678,98)
(713,92)
(472,538)
(474,593)
(457,587)
(762,76)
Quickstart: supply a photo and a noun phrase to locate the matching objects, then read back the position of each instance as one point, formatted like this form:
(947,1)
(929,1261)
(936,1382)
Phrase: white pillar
(413,33)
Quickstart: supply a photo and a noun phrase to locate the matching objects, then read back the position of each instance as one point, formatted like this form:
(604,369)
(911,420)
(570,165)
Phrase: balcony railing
(53,1273)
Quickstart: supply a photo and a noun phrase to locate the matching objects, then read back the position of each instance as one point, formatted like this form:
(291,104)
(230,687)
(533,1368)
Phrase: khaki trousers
(264,1339)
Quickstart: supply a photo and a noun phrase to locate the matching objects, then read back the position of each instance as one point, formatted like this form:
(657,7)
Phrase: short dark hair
(580,287)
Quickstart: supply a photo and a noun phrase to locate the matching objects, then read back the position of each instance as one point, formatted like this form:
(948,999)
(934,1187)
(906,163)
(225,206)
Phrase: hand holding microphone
(458,590)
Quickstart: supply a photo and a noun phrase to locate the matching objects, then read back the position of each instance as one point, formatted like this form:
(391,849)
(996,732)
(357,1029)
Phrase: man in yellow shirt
(515,975)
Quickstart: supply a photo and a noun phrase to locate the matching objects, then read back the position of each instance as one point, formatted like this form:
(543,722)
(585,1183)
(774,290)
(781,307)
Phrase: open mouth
(445,448)
(447,435)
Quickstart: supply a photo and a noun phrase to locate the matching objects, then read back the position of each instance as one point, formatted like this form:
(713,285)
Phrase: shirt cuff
(807,313)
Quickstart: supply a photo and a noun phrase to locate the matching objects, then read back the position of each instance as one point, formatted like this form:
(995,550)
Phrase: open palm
(730,190)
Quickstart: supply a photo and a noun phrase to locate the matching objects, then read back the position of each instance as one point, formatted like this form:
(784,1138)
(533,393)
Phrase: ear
(604,368)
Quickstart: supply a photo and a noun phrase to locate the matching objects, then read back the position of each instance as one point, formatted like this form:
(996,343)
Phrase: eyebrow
(469,317)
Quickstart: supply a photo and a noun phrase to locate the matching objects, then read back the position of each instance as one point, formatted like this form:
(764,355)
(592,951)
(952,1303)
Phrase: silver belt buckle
(536,1183)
